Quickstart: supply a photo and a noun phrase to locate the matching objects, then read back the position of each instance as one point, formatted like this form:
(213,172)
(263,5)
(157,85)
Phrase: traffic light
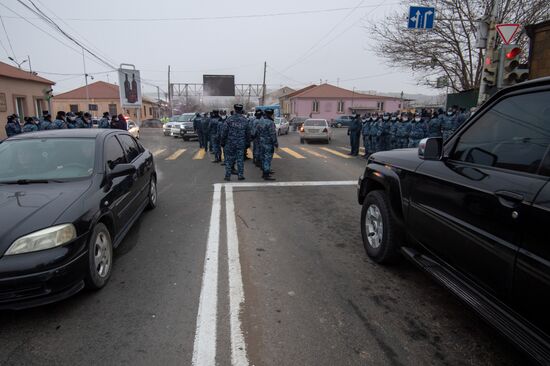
(490,69)
(512,72)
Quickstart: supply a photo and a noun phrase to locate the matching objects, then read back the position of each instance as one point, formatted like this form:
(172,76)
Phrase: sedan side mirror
(121,170)
(430,148)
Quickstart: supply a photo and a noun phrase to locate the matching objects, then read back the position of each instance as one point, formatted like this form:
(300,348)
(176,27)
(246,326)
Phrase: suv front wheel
(380,231)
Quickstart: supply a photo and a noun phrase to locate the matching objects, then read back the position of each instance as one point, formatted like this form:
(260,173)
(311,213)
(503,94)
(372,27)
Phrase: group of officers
(234,135)
(62,120)
(393,131)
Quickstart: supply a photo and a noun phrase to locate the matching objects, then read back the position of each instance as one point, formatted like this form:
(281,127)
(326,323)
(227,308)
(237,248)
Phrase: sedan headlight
(43,239)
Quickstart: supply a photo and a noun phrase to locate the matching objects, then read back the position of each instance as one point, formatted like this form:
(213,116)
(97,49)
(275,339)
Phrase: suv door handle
(509,199)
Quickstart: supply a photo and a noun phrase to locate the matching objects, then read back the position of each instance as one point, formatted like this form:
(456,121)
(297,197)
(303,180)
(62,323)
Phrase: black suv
(472,212)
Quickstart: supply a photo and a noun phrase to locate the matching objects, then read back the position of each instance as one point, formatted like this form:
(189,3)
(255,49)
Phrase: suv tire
(379,229)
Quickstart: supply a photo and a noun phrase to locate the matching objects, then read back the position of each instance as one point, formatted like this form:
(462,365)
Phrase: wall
(328,108)
(539,51)
(102,106)
(31,90)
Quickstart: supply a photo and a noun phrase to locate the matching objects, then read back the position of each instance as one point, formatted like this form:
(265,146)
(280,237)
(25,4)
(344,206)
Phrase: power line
(8,38)
(5,50)
(224,17)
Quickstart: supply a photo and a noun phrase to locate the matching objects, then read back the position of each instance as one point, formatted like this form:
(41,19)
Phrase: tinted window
(113,152)
(514,134)
(130,147)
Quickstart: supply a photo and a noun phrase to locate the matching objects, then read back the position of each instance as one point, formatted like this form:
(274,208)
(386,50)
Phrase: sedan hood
(30,207)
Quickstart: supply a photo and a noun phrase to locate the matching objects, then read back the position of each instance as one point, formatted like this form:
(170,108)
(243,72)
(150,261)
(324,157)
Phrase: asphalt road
(258,274)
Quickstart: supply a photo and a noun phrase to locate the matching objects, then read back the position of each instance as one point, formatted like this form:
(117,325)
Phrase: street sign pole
(491,43)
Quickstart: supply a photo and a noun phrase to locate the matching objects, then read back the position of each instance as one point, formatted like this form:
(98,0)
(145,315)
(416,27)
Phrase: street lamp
(18,63)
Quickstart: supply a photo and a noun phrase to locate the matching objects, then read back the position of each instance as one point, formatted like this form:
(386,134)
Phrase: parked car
(167,127)
(152,123)
(133,128)
(297,122)
(342,121)
(67,197)
(186,129)
(282,126)
(472,212)
(315,130)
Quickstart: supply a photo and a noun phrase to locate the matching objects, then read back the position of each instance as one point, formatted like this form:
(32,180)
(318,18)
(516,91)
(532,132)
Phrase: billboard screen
(130,87)
(219,85)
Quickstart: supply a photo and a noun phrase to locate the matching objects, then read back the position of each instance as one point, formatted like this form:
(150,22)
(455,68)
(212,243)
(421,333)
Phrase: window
(38,107)
(315,106)
(92,107)
(341,106)
(20,106)
(514,134)
(114,154)
(112,109)
(144,111)
(73,108)
(380,106)
(150,110)
(130,147)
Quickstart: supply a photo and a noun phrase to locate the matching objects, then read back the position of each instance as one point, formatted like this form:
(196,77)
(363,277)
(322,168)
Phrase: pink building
(329,102)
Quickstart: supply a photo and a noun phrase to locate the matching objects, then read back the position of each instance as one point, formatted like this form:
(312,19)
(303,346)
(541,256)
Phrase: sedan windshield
(46,159)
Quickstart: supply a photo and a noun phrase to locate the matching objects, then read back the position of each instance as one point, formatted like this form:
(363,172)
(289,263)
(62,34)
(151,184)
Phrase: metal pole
(169,93)
(158,102)
(263,84)
(86,80)
(491,43)
(352,97)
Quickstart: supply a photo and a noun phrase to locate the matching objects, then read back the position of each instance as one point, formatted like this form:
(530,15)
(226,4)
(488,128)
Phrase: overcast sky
(299,48)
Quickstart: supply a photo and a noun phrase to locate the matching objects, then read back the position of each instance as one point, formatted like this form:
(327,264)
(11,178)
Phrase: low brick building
(101,97)
(21,92)
(539,49)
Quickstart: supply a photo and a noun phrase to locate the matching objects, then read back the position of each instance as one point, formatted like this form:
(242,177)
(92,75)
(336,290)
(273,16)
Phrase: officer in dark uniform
(354,133)
(197,126)
(235,135)
(12,126)
(267,134)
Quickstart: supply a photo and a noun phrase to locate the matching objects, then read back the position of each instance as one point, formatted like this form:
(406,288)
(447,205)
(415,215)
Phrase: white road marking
(293,184)
(236,292)
(204,348)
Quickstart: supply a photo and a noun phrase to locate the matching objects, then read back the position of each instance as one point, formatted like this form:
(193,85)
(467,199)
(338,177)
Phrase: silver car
(186,129)
(282,126)
(315,130)
(167,127)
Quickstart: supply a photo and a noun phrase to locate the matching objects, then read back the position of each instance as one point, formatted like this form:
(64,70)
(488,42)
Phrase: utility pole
(491,45)
(263,84)
(30,67)
(86,80)
(169,93)
(158,101)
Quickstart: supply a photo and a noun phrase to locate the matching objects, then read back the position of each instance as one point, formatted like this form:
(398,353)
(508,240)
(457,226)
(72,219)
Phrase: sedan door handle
(509,199)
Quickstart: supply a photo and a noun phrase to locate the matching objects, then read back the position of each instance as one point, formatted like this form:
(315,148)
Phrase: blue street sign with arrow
(421,17)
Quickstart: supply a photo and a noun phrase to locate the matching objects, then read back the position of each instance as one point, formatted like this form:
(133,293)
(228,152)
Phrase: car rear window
(315,122)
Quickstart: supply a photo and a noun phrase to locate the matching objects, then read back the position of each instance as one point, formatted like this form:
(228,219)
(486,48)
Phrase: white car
(315,129)
(133,128)
(167,127)
(282,126)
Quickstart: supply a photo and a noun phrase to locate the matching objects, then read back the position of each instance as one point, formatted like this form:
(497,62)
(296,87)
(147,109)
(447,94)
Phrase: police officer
(449,123)
(419,130)
(59,122)
(214,136)
(29,125)
(12,126)
(393,130)
(71,120)
(402,132)
(46,123)
(365,132)
(434,125)
(197,126)
(205,128)
(235,135)
(44,114)
(105,122)
(373,131)
(354,133)
(256,146)
(267,133)
(383,133)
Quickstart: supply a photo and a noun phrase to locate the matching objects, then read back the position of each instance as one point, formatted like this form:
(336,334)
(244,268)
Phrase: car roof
(75,132)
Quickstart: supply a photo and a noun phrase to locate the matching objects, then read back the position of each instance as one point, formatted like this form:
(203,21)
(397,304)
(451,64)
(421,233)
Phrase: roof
(299,91)
(16,73)
(97,90)
(68,132)
(331,91)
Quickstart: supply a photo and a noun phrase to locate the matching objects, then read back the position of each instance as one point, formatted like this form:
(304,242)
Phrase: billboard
(219,85)
(129,83)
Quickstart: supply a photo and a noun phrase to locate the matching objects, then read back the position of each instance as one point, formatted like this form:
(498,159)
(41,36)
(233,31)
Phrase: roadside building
(274,96)
(329,102)
(284,101)
(21,92)
(101,97)
(539,49)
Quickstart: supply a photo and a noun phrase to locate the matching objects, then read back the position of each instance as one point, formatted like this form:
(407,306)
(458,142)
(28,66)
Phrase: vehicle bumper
(33,279)
(185,133)
(166,131)
(359,192)
(316,136)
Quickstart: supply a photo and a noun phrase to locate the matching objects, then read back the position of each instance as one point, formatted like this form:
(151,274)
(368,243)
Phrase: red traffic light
(514,52)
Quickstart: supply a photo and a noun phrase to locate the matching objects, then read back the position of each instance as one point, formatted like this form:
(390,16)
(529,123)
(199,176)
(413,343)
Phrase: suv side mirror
(430,148)
(121,170)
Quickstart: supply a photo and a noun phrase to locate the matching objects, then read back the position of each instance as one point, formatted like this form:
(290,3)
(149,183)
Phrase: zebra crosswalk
(298,153)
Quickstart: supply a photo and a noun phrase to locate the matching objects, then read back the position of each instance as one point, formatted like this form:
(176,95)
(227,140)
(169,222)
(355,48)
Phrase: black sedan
(67,198)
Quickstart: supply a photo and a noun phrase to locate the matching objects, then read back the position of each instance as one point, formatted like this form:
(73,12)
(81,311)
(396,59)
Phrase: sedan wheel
(153,194)
(100,257)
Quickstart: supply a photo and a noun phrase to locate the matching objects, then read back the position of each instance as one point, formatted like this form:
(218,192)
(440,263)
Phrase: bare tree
(449,49)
